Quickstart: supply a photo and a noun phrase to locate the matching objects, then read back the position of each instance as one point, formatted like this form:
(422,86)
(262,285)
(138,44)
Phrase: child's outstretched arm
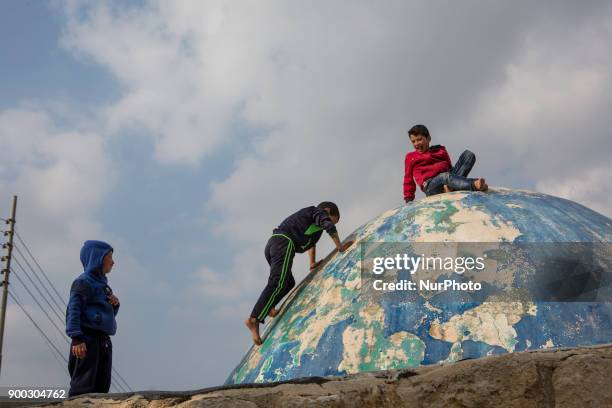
(321,219)
(312,255)
(339,246)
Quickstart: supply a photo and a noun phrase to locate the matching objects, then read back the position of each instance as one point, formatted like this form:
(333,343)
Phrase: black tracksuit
(92,373)
(297,233)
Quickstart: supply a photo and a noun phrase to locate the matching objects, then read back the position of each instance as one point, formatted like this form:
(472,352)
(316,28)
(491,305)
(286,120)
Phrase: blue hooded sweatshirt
(88,307)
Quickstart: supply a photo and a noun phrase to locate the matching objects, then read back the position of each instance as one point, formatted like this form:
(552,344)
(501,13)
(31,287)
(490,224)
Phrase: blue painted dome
(330,326)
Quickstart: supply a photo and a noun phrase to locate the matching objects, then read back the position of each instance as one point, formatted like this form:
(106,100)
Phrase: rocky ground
(580,377)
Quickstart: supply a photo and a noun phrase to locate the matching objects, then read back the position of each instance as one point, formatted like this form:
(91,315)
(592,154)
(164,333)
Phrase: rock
(570,377)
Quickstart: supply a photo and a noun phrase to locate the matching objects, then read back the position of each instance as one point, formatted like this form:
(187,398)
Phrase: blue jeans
(455,179)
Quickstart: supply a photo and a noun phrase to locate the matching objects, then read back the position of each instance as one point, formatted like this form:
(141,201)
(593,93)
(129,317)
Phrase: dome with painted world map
(547,283)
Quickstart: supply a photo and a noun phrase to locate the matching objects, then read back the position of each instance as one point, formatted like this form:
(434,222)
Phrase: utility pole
(6,270)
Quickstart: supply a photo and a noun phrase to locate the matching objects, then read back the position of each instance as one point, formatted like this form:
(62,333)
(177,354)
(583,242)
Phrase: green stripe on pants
(278,288)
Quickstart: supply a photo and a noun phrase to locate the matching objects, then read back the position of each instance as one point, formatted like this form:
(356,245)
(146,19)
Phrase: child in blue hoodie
(90,320)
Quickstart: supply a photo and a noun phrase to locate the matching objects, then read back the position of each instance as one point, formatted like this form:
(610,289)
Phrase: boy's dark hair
(419,130)
(333,208)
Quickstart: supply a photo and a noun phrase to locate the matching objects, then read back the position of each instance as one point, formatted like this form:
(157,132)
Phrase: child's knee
(469,156)
(444,178)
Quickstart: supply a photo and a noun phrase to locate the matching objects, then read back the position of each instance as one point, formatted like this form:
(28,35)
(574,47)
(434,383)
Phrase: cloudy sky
(183,132)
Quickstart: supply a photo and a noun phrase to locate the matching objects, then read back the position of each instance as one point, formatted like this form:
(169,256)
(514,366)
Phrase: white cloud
(545,125)
(225,290)
(183,98)
(61,178)
(339,86)
(588,188)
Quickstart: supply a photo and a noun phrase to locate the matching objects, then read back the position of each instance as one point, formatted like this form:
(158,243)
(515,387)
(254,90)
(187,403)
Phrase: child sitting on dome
(431,168)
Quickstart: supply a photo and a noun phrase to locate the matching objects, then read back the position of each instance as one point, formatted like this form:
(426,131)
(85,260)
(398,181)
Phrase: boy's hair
(333,208)
(419,130)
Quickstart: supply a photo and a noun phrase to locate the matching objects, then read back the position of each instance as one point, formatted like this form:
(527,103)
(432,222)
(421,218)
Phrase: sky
(183,132)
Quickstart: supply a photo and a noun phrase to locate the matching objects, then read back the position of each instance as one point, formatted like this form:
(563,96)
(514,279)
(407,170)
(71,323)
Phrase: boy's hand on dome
(113,300)
(314,265)
(345,246)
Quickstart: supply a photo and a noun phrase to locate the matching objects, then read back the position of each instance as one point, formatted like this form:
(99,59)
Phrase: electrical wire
(60,331)
(57,314)
(38,277)
(41,331)
(39,267)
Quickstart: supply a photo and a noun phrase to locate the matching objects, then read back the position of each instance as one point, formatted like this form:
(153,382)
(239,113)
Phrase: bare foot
(447,189)
(253,325)
(481,185)
(273,312)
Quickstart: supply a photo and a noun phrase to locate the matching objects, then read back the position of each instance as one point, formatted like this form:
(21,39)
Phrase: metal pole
(5,272)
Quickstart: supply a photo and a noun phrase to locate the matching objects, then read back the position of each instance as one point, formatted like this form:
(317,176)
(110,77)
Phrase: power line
(60,331)
(42,333)
(118,386)
(57,314)
(19,302)
(121,378)
(39,267)
(17,297)
(38,278)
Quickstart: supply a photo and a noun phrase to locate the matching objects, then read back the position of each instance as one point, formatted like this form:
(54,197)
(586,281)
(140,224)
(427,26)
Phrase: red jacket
(420,167)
